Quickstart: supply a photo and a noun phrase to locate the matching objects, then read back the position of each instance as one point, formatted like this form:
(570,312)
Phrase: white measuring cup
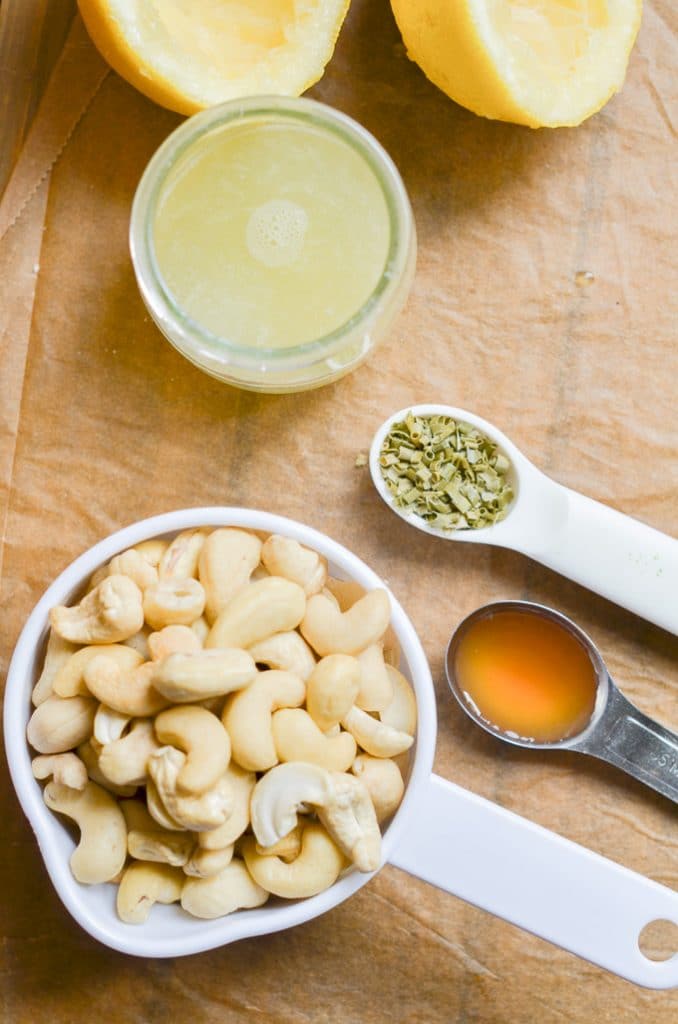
(458,841)
(612,554)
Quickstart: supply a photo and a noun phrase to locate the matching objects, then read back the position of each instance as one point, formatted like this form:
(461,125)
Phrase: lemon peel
(191,54)
(541,63)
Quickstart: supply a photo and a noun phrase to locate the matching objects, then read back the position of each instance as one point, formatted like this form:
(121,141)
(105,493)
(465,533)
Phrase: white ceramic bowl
(169,931)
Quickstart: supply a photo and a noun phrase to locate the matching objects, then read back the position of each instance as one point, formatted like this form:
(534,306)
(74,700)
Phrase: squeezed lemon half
(542,63)
(192,54)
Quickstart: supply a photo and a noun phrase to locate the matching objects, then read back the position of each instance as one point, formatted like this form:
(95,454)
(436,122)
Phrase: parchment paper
(102,423)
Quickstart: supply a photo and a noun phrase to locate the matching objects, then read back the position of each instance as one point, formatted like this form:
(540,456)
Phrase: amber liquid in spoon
(526,675)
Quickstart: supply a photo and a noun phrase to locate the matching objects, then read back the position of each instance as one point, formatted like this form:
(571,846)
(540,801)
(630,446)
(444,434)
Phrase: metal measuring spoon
(616,732)
(609,552)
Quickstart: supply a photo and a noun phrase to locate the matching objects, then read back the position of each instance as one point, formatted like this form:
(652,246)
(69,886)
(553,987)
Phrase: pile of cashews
(223,721)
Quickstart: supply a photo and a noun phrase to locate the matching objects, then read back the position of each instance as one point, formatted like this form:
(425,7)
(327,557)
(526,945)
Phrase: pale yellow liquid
(272,235)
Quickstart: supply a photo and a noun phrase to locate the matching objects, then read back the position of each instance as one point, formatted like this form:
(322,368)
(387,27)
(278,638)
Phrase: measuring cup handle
(616,556)
(632,741)
(536,879)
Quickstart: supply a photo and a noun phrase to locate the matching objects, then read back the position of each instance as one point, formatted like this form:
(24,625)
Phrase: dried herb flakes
(446,472)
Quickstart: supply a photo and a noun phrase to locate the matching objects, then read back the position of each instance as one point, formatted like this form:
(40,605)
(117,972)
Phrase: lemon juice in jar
(272,238)
(273,242)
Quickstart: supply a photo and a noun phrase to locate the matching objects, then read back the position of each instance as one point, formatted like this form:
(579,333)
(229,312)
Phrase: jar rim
(192,338)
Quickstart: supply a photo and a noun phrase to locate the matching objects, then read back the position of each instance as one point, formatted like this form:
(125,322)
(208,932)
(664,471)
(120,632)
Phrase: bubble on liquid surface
(276,232)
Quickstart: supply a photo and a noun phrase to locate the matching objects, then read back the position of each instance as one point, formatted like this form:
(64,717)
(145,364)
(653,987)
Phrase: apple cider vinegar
(526,675)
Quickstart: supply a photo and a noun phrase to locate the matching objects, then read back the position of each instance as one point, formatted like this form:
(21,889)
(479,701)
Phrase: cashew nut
(331,598)
(247,716)
(144,884)
(66,769)
(158,810)
(89,755)
(315,869)
(202,737)
(286,651)
(206,863)
(139,643)
(131,692)
(403,763)
(102,849)
(345,592)
(160,846)
(232,889)
(332,688)
(124,762)
(241,784)
(382,780)
(288,848)
(180,560)
(260,573)
(107,614)
(374,736)
(97,577)
(57,654)
(198,813)
(350,818)
(284,791)
(152,550)
(70,679)
(173,602)
(109,725)
(59,724)
(146,840)
(227,561)
(376,689)
(201,629)
(137,816)
(298,738)
(272,605)
(133,564)
(173,640)
(391,647)
(213,704)
(401,712)
(204,674)
(283,556)
(331,632)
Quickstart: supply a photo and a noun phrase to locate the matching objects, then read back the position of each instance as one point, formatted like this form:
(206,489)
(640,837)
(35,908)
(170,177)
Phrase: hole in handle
(659,940)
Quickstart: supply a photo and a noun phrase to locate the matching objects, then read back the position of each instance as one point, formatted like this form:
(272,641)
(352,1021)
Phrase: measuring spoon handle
(632,741)
(535,879)
(614,555)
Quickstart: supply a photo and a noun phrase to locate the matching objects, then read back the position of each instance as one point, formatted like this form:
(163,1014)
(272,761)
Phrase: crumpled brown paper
(102,423)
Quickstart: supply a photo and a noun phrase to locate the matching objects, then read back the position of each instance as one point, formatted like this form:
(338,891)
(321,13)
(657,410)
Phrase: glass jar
(246,361)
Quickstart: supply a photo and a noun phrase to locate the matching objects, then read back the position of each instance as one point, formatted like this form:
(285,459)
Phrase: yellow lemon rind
(455,47)
(108,35)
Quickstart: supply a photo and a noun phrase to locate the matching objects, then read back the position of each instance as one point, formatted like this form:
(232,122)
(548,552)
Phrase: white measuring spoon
(612,554)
